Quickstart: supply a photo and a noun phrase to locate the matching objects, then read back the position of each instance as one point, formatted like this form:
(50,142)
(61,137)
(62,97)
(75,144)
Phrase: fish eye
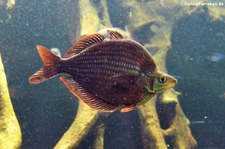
(162,80)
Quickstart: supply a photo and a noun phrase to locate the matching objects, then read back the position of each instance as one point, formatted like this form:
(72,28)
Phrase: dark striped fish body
(105,74)
(111,70)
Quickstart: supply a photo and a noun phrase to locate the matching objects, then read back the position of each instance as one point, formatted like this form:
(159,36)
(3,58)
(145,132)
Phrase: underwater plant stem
(10,133)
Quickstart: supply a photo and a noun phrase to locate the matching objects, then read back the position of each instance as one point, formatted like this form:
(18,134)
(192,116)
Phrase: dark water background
(201,81)
(45,111)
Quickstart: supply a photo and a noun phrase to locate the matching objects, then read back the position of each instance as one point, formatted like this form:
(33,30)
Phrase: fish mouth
(171,83)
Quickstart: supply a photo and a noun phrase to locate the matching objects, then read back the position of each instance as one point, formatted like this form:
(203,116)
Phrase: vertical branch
(10,133)
(151,130)
(105,15)
(84,120)
(178,131)
(89,20)
(99,142)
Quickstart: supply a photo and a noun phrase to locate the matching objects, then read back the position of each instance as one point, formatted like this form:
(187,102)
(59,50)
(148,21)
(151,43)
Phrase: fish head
(163,81)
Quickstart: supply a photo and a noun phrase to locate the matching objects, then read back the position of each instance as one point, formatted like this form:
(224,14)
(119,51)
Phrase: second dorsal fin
(83,43)
(115,34)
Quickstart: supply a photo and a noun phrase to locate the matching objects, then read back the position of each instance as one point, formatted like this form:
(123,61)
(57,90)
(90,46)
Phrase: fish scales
(105,62)
(122,56)
(107,70)
(114,55)
(110,60)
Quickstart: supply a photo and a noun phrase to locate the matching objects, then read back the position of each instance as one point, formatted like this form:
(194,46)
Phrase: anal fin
(127,108)
(82,94)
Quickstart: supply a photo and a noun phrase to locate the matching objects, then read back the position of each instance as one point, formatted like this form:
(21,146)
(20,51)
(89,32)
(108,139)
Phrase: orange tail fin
(50,68)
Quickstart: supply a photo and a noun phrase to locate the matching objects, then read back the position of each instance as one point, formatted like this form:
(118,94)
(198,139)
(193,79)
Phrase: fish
(216,57)
(106,74)
(222,96)
(200,122)
(197,122)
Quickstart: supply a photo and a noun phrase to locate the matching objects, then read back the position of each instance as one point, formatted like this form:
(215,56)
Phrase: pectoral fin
(150,90)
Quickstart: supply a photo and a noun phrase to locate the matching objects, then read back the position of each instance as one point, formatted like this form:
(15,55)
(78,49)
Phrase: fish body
(106,74)
(222,96)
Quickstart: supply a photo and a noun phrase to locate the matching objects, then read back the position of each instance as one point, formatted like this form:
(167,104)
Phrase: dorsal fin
(115,34)
(83,43)
(82,94)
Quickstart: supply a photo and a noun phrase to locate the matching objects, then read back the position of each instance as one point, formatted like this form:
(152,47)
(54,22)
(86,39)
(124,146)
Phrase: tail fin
(50,68)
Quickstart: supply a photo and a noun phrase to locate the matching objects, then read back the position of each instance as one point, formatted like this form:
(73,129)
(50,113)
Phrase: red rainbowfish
(107,74)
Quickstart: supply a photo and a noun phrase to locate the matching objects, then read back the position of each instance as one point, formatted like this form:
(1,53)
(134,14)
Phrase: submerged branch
(158,28)
(10,133)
